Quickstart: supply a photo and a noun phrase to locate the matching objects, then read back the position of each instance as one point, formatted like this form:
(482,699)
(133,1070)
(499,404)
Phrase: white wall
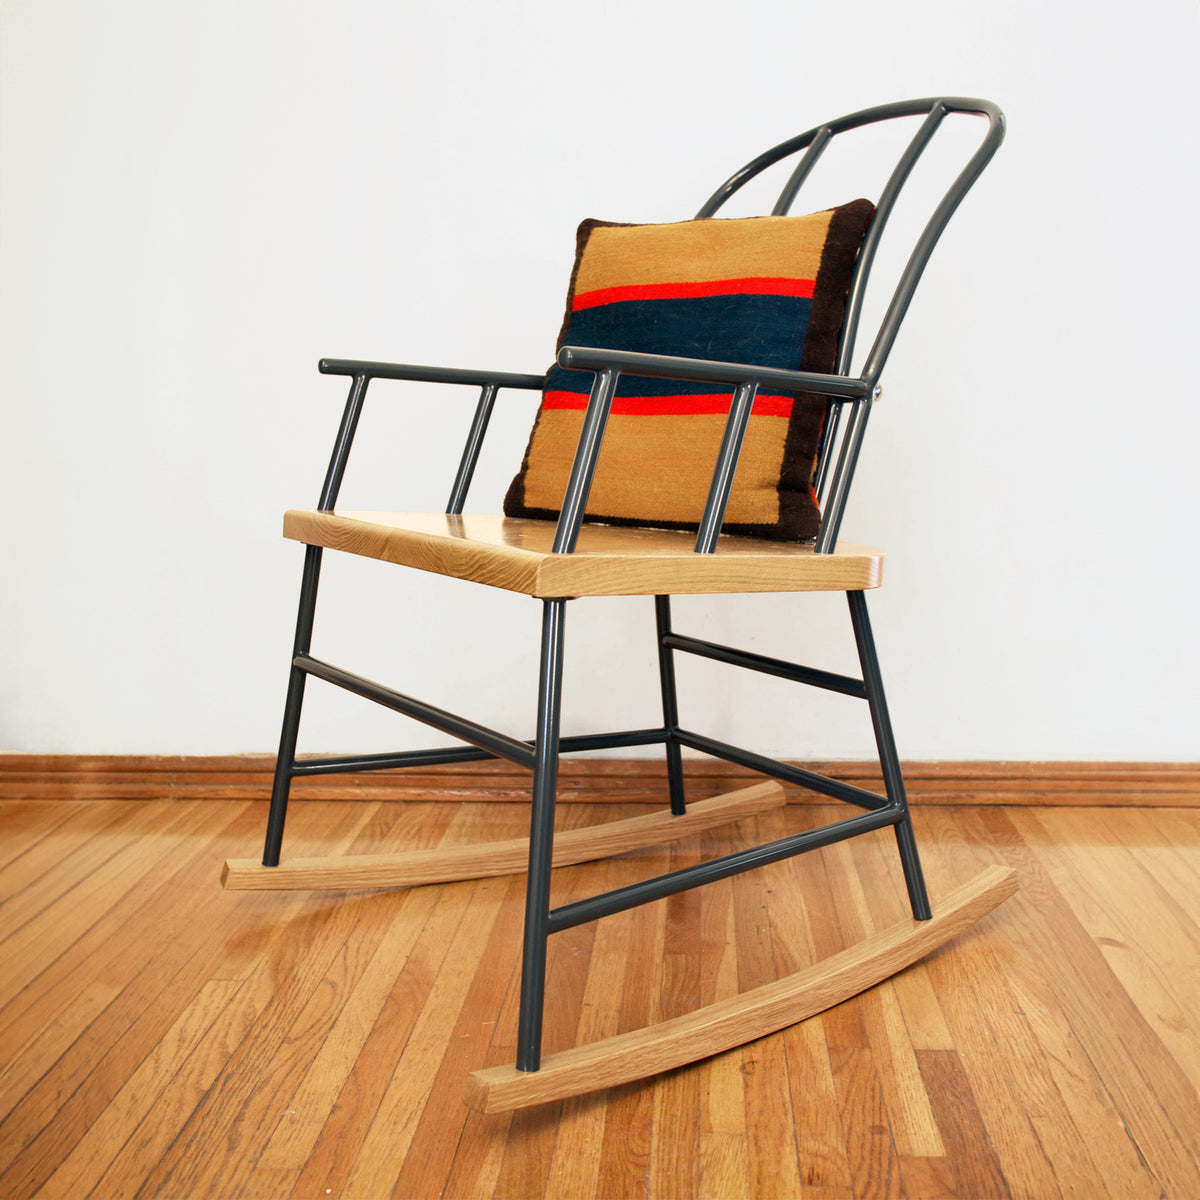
(199,199)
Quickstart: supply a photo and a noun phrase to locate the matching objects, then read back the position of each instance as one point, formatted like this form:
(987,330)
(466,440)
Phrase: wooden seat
(515,553)
(597,541)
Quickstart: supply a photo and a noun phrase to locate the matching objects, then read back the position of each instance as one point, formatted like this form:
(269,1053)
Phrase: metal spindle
(726,468)
(470,455)
(583,469)
(343,442)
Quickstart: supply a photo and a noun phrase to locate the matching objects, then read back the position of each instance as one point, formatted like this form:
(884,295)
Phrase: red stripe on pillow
(670,406)
(754,286)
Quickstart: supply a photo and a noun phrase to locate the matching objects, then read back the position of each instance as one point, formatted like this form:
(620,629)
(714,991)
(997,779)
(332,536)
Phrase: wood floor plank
(675,1136)
(339,1150)
(392,1129)
(41,836)
(113,946)
(480,1155)
(152,1139)
(914,1130)
(221,954)
(55,873)
(26,1064)
(1153,1096)
(874,1163)
(528,1153)
(772,1155)
(724,1167)
(861,1105)
(100,860)
(922,1014)
(1037,1083)
(999,1088)
(624,1159)
(1149,945)
(822,1157)
(267,1065)
(26,824)
(68,1098)
(574,1168)
(51,921)
(291,1144)
(91,1156)
(369,1089)
(1087,1145)
(1024,960)
(626,1145)
(1173,838)
(976,1170)
(675,1130)
(470,1042)
(434,1131)
(771,1145)
(1004,1088)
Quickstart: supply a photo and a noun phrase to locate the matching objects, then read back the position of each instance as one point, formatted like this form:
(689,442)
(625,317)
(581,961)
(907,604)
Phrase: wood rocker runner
(697,435)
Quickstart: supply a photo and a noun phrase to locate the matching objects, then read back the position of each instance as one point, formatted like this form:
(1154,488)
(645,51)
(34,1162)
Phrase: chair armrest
(380,370)
(664,366)
(361,374)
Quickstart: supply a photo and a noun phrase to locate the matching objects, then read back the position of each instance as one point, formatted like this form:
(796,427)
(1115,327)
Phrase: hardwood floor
(160,1037)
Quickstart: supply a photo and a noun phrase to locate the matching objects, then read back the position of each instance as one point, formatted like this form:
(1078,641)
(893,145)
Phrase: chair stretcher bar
(659,888)
(846,684)
(781,770)
(462,754)
(487,739)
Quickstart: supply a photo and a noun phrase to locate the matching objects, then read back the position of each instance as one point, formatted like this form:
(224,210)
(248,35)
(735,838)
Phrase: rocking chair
(698,435)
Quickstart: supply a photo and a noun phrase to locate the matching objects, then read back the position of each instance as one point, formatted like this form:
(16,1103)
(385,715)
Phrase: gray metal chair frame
(850,398)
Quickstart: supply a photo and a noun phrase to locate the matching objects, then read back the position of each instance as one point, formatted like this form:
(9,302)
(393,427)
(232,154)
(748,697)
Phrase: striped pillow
(770,291)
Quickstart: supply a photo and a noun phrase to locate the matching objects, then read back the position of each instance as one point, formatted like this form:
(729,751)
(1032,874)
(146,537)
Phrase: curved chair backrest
(833,486)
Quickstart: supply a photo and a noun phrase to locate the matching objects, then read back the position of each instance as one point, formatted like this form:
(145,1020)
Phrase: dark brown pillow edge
(799,513)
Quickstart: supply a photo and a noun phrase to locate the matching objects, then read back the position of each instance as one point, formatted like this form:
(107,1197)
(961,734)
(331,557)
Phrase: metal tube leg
(541,838)
(670,706)
(286,757)
(889,760)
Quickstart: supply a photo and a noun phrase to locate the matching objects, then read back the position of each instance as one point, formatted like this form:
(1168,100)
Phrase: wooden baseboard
(248,777)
